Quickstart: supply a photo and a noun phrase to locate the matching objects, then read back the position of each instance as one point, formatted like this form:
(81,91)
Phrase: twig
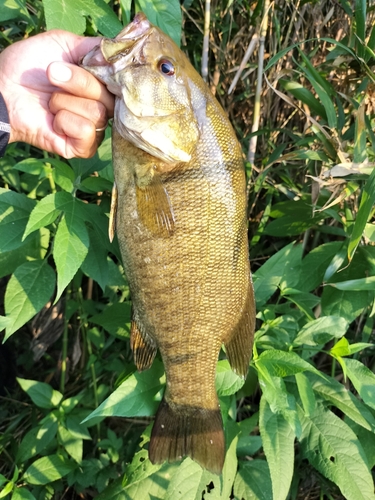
(206,36)
(250,49)
(256,115)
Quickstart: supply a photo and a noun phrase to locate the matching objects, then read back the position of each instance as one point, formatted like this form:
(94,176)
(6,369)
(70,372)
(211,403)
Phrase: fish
(179,211)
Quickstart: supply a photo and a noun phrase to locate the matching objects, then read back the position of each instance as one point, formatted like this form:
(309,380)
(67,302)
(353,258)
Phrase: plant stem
(206,37)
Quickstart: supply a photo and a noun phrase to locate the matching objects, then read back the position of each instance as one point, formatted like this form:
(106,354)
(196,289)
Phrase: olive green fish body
(181,225)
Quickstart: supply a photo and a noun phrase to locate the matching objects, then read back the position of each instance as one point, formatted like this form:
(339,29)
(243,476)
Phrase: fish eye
(166,67)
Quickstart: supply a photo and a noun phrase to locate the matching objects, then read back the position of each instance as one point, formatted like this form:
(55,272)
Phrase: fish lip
(134,30)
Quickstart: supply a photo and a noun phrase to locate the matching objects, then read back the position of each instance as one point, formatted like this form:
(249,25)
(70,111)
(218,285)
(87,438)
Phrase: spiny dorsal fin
(112,213)
(155,209)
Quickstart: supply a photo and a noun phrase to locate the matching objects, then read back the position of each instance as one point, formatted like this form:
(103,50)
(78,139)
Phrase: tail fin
(182,430)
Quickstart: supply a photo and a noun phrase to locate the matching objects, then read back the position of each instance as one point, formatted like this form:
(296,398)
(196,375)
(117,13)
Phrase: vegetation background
(296,78)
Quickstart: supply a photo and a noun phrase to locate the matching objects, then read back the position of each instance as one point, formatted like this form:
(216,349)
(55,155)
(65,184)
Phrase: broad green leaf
(15,210)
(281,363)
(47,210)
(227,382)
(72,444)
(115,319)
(343,348)
(37,439)
(7,489)
(95,264)
(292,225)
(63,175)
(35,247)
(76,427)
(14,9)
(140,468)
(29,289)
(135,397)
(331,391)
(356,285)
(365,207)
(334,450)
(166,15)
(278,445)
(70,15)
(268,277)
(33,166)
(321,330)
(153,487)
(189,481)
(367,440)
(279,399)
(363,380)
(22,494)
(71,245)
(253,481)
(360,26)
(41,394)
(4,322)
(48,469)
(306,393)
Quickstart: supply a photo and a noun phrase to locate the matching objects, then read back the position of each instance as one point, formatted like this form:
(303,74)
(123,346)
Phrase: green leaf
(227,382)
(4,322)
(282,364)
(334,450)
(302,94)
(71,245)
(48,469)
(115,319)
(321,330)
(166,15)
(41,394)
(364,212)
(343,348)
(7,489)
(189,481)
(28,290)
(280,401)
(47,210)
(15,210)
(253,481)
(33,248)
(278,445)
(15,9)
(95,264)
(356,285)
(363,380)
(331,391)
(70,15)
(22,494)
(306,393)
(268,277)
(63,175)
(135,397)
(140,468)
(72,444)
(37,439)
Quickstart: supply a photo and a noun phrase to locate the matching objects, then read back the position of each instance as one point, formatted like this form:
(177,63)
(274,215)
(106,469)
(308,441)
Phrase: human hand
(52,103)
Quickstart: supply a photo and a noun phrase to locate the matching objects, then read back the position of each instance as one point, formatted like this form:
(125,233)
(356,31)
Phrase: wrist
(4,126)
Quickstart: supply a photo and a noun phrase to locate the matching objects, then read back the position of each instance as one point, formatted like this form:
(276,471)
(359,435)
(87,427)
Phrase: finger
(79,82)
(95,111)
(81,138)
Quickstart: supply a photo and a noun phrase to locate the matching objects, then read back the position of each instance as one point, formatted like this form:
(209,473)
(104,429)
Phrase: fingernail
(60,72)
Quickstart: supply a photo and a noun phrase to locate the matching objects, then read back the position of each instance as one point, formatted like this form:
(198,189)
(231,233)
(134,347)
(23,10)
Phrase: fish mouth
(110,50)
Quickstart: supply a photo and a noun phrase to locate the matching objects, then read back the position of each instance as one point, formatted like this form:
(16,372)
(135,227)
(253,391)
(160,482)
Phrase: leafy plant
(303,422)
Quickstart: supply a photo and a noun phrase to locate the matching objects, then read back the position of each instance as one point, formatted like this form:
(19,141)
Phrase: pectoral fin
(239,347)
(112,213)
(155,209)
(144,350)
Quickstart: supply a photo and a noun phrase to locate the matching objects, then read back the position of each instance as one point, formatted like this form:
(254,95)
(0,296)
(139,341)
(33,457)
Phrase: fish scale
(180,218)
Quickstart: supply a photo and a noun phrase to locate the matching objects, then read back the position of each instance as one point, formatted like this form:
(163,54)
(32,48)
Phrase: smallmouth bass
(180,215)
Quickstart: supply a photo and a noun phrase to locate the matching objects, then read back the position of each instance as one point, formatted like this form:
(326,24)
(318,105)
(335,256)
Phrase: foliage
(303,422)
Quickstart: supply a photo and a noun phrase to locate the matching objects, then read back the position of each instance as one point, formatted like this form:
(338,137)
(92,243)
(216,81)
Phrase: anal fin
(239,347)
(154,208)
(144,350)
